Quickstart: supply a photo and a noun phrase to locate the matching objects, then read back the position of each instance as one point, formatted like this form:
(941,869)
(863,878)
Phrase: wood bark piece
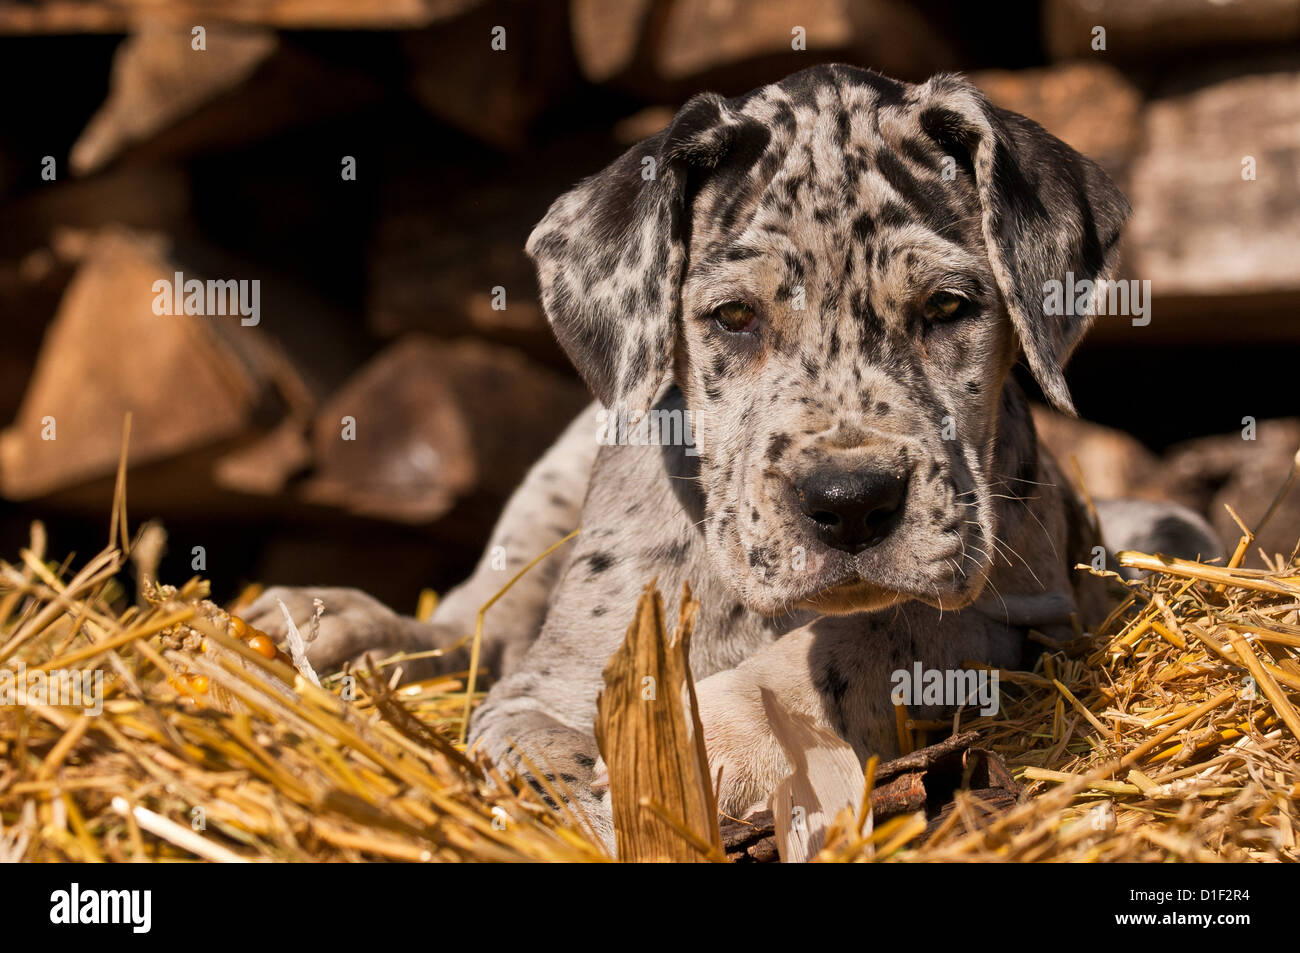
(991,787)
(902,795)
(749,839)
(926,779)
(648,730)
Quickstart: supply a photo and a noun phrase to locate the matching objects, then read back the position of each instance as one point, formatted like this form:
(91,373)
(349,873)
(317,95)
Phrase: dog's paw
(351,623)
(746,761)
(557,762)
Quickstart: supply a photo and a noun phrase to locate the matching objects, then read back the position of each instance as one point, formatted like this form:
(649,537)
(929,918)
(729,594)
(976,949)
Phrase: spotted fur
(834,204)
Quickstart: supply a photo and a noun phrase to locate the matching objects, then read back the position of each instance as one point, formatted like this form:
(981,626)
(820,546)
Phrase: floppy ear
(611,253)
(1046,210)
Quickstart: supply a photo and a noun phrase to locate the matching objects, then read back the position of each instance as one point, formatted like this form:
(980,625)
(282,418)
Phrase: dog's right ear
(611,252)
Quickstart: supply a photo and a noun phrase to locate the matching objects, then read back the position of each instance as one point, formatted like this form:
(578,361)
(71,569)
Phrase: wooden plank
(122,16)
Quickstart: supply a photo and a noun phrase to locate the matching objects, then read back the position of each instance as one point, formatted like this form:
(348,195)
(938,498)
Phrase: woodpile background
(127,156)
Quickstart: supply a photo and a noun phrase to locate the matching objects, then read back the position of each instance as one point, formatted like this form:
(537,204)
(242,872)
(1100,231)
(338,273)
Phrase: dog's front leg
(842,672)
(541,512)
(800,671)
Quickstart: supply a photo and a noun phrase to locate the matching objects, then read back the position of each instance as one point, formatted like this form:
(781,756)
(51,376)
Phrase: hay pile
(205,749)
(1169,734)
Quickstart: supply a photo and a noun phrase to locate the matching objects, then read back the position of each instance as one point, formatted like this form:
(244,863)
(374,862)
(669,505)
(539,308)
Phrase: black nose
(853,509)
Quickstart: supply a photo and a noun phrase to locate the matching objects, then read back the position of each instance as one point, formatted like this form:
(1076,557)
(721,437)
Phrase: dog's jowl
(831,278)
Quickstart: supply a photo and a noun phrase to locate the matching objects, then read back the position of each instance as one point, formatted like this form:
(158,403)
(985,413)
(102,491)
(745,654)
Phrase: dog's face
(844,353)
(837,270)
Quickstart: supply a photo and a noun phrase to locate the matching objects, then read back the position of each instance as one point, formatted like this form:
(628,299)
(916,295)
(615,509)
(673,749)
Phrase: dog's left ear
(1047,211)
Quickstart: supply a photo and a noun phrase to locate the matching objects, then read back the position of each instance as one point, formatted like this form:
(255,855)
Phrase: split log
(1112,463)
(665,50)
(607,36)
(157,77)
(1213,193)
(1136,32)
(1090,106)
(447,256)
(493,92)
(167,100)
(1211,472)
(190,380)
(426,423)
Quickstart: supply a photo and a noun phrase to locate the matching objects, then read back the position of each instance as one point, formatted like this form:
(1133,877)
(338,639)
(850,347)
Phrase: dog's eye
(946,306)
(735,316)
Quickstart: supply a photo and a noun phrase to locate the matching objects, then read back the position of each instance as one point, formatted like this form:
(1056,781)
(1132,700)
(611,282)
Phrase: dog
(831,278)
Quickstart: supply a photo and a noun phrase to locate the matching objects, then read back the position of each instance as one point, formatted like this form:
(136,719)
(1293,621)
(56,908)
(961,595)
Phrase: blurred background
(376,166)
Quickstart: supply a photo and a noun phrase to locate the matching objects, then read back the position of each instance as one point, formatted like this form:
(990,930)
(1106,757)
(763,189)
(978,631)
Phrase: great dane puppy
(831,278)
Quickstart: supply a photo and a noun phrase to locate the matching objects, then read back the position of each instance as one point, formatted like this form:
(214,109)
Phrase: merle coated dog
(833,277)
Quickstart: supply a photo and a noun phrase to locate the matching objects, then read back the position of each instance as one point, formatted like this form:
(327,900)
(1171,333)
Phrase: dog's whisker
(1003,477)
(1046,535)
(990,584)
(1028,568)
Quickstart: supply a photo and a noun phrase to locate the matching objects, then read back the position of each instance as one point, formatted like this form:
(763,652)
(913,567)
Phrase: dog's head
(838,271)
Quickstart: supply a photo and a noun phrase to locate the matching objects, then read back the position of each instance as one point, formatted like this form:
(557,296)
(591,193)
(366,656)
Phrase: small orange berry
(238,627)
(199,683)
(262,645)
